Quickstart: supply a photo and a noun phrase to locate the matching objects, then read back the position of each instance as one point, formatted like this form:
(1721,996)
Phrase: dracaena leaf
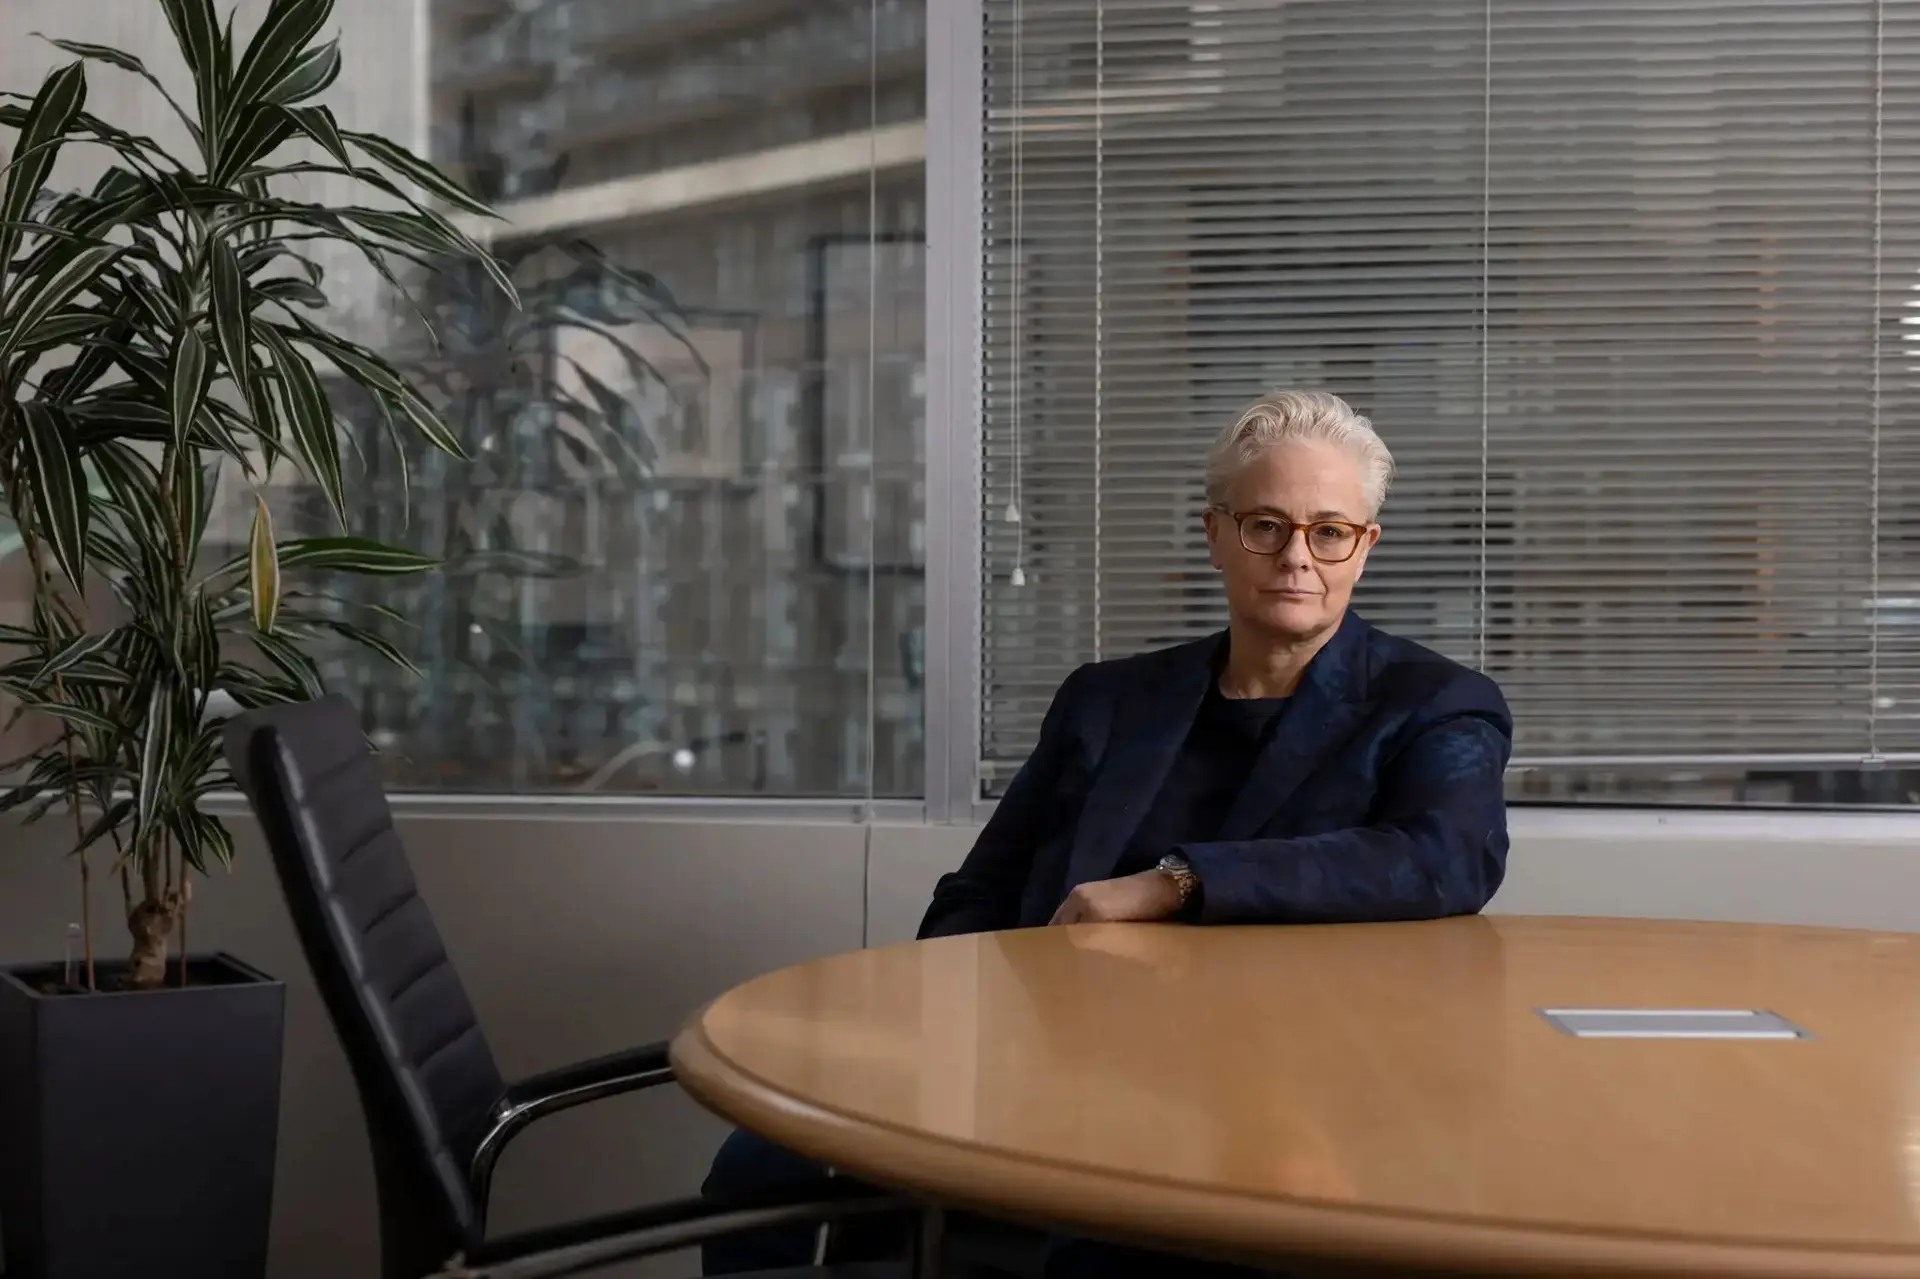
(113,818)
(126,62)
(386,385)
(73,653)
(202,644)
(187,383)
(226,42)
(196,30)
(318,123)
(408,228)
(202,482)
(102,53)
(291,662)
(258,258)
(432,234)
(290,291)
(64,327)
(54,107)
(391,155)
(352,555)
(131,483)
(55,799)
(48,229)
(204,842)
(263,568)
(428,423)
(213,429)
(254,135)
(425,233)
(311,417)
(283,35)
(58,487)
(311,73)
(43,296)
(229,305)
(366,639)
(253,687)
(79,716)
(155,746)
(105,547)
(231,330)
(99,673)
(20,795)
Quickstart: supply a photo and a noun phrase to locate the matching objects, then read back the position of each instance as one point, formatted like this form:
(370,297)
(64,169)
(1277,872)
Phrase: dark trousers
(748,1164)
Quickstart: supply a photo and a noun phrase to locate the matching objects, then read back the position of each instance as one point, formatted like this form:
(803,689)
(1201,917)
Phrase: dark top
(1207,776)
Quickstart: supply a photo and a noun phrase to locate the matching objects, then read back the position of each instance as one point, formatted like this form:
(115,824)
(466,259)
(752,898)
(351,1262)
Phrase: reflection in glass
(686,556)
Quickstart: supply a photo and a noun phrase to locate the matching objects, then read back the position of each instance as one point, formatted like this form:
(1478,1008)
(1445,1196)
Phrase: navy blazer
(1377,797)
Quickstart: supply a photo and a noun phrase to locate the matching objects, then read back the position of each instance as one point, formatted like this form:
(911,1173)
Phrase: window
(1632,289)
(1628,287)
(687,557)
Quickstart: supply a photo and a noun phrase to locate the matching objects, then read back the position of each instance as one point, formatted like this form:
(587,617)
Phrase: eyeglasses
(1329,541)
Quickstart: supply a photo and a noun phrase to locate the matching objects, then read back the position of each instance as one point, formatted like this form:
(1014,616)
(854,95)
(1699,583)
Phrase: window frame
(955,156)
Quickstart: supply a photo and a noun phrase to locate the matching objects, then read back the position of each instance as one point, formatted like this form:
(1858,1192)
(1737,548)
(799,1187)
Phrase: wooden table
(1376,1093)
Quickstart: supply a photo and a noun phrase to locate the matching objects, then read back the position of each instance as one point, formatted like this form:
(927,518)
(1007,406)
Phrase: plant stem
(180,893)
(151,919)
(45,594)
(79,831)
(86,916)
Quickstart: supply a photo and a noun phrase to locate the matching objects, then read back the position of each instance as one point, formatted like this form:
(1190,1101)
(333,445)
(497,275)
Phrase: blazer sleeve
(984,894)
(1437,844)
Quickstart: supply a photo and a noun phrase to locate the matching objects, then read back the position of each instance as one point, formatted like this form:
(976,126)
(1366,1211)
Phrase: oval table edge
(1076,1198)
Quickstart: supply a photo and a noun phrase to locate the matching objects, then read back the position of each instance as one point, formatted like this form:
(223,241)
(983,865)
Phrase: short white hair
(1300,415)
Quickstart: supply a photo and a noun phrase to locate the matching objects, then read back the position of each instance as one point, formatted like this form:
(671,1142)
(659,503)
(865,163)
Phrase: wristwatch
(1180,871)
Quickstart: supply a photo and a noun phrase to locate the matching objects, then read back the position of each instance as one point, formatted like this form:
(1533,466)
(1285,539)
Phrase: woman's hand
(1138,898)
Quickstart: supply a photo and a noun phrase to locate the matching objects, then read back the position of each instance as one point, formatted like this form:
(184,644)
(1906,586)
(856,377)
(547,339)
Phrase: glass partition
(687,555)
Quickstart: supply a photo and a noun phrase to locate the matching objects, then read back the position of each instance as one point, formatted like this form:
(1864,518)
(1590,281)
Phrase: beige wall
(578,936)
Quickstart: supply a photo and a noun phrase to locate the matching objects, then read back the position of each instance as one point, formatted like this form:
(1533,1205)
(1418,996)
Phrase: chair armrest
(552,1091)
(591,1080)
(595,1242)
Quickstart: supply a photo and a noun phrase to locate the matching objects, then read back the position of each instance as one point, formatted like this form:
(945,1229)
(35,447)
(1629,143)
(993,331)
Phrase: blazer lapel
(1148,730)
(1323,710)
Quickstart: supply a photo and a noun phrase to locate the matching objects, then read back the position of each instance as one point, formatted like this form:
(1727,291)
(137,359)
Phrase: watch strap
(1181,872)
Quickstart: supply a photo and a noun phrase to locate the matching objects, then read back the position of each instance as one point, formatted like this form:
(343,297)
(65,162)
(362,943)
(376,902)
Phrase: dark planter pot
(137,1128)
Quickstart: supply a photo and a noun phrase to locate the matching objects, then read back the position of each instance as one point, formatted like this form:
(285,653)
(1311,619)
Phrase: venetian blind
(1632,290)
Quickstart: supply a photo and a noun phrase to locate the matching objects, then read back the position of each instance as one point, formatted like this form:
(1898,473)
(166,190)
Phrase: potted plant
(163,332)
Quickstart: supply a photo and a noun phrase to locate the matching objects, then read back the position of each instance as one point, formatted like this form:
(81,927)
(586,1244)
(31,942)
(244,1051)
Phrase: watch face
(1181,873)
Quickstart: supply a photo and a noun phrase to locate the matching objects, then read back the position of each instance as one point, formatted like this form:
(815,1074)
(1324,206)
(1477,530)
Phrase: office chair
(437,1107)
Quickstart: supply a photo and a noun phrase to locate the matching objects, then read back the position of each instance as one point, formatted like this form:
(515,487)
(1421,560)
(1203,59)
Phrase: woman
(1302,767)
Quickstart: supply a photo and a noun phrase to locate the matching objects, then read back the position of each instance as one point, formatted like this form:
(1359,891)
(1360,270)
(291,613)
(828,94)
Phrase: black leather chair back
(426,1077)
